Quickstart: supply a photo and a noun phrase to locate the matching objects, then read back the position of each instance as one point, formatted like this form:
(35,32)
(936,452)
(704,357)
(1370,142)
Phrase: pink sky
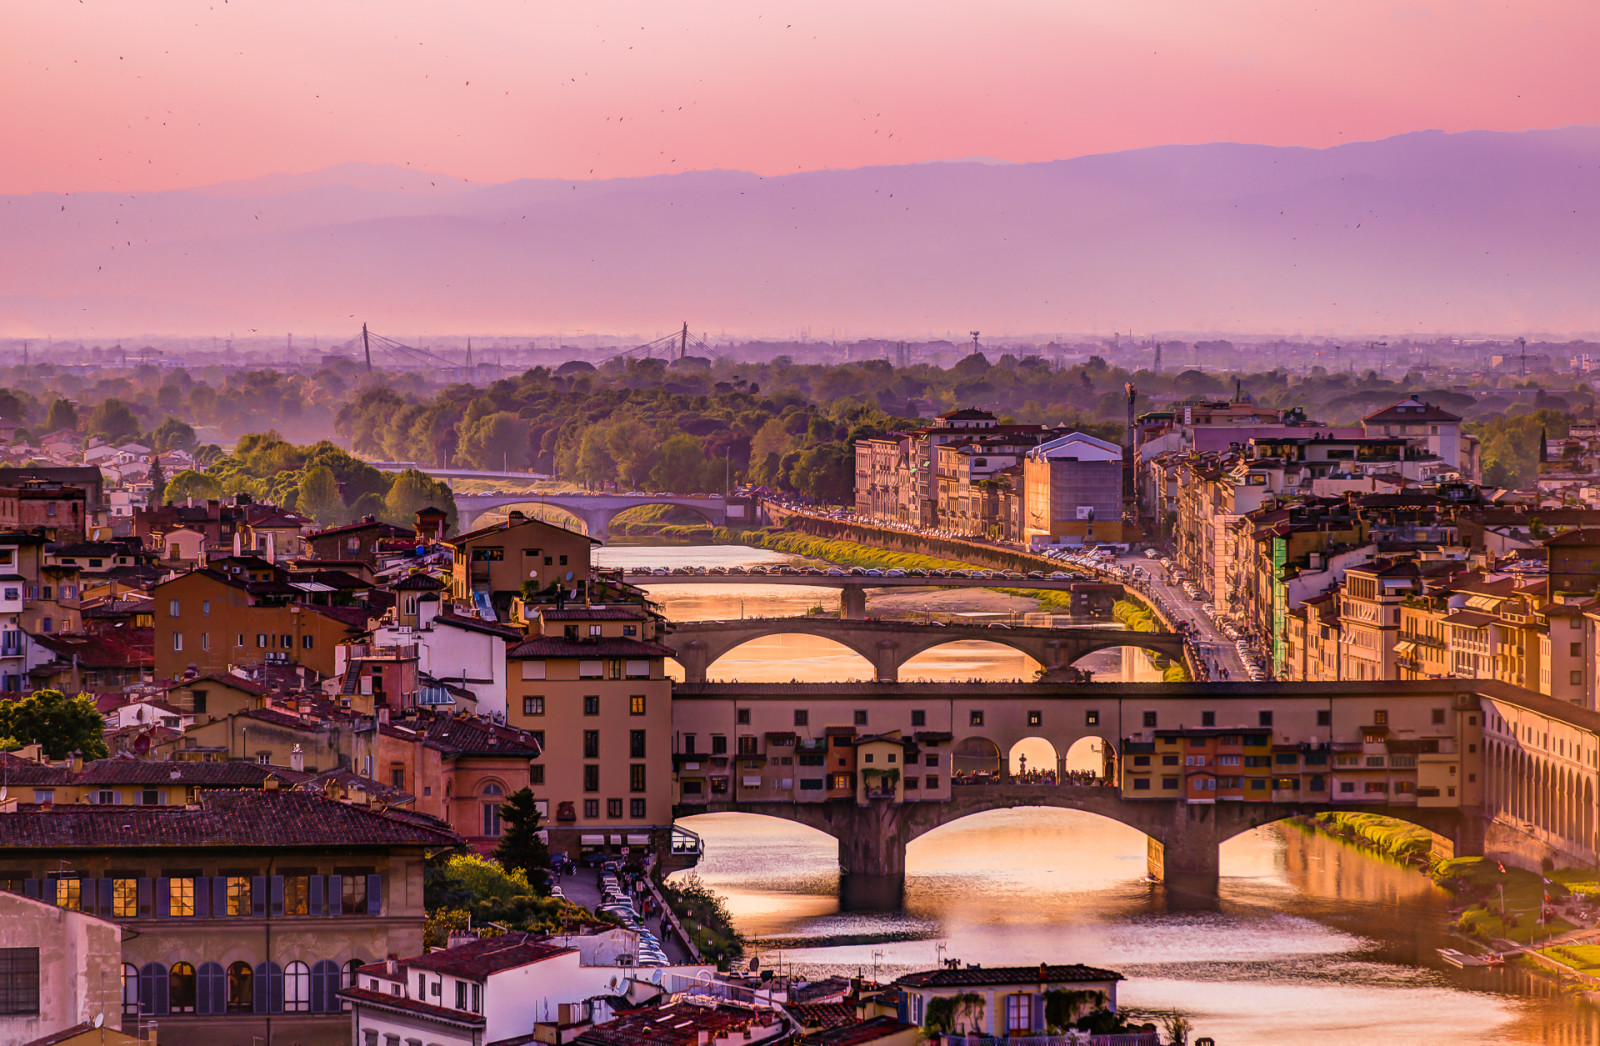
(167,93)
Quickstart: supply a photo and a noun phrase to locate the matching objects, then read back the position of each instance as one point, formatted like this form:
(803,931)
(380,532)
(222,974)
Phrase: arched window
(153,990)
(296,988)
(493,797)
(181,988)
(267,987)
(348,980)
(325,987)
(130,990)
(241,998)
(212,989)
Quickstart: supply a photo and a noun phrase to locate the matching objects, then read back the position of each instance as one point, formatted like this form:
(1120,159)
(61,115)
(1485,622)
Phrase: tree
(114,422)
(495,441)
(413,491)
(62,415)
(682,466)
(191,484)
(61,724)
(520,848)
(319,496)
(158,482)
(173,434)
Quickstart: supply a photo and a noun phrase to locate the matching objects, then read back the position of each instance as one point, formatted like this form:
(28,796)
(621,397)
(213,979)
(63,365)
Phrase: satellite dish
(99,1020)
(533,573)
(569,575)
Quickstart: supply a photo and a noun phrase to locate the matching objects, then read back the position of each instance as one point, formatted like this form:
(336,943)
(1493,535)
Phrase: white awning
(638,840)
(591,840)
(750,782)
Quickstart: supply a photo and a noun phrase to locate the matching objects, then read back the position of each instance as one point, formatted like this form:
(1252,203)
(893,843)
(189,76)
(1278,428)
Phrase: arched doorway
(1033,760)
(1092,757)
(975,757)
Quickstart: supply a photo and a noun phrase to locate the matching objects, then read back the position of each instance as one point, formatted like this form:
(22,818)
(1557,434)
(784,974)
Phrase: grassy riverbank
(854,554)
(1499,905)
(1137,617)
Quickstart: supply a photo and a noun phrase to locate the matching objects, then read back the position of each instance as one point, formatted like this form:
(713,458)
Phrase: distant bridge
(888,645)
(594,511)
(438,473)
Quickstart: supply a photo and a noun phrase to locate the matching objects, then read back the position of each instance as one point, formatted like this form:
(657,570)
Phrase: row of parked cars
(614,901)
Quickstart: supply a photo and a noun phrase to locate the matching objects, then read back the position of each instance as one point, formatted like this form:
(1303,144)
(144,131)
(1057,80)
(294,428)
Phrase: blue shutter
(163,898)
(317,888)
(258,895)
(153,989)
(107,895)
(219,896)
(277,895)
(1038,1013)
(374,895)
(202,897)
(147,889)
(211,989)
(30,888)
(325,987)
(268,982)
(335,895)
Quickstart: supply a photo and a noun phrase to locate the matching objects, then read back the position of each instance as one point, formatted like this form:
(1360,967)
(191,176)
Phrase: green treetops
(520,849)
(61,724)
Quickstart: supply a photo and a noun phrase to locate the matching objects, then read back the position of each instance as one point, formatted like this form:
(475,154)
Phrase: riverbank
(1501,904)
(854,554)
(1136,616)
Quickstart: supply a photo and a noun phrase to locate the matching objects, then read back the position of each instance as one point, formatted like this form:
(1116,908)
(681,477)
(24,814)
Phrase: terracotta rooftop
(996,976)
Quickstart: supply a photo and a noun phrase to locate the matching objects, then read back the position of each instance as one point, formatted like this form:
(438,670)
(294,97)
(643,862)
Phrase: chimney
(77,761)
(391,967)
(238,543)
(297,760)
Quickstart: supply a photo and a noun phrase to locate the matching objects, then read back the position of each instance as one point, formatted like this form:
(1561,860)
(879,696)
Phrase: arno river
(1313,942)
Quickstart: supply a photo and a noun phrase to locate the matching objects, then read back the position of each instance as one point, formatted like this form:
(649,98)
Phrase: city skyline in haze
(177,95)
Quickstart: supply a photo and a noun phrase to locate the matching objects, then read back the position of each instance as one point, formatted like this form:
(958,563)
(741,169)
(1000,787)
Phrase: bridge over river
(1484,765)
(890,644)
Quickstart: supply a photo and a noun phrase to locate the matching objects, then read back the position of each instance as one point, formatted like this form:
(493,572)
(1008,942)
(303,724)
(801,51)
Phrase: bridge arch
(911,669)
(594,511)
(688,655)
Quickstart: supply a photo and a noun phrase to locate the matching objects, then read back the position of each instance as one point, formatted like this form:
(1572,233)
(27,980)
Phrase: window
(533,706)
(205,641)
(591,744)
(742,717)
(1035,717)
(1149,719)
(130,990)
(177,640)
(353,890)
(1091,717)
(802,717)
(205,608)
(125,898)
(69,894)
(172,608)
(919,717)
(1380,717)
(636,808)
(591,704)
(1324,717)
(614,808)
(180,898)
(1264,717)
(1208,719)
(461,995)
(636,704)
(931,781)
(181,988)
(636,777)
(493,797)
(591,777)
(861,717)
(719,744)
(594,631)
(261,640)
(591,808)
(397,777)
(590,669)
(240,899)
(297,988)
(975,717)
(636,744)
(533,670)
(536,773)
(1575,649)
(1141,784)
(297,894)
(1169,782)
(932,759)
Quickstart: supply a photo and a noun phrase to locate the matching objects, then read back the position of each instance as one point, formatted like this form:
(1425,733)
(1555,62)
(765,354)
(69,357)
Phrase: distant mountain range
(1425,232)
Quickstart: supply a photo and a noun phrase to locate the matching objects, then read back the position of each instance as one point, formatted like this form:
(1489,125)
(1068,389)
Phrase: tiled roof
(680,1024)
(399,1002)
(862,1033)
(555,646)
(384,529)
(276,818)
(121,770)
(476,960)
(417,583)
(1410,409)
(583,613)
(823,1014)
(981,976)
(466,735)
(123,648)
(237,682)
(473,624)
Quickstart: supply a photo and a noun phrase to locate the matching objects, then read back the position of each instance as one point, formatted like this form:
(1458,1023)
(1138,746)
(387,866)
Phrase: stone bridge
(890,644)
(1183,839)
(594,511)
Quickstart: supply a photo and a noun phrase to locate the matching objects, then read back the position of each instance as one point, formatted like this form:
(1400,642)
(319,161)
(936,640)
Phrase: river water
(1311,942)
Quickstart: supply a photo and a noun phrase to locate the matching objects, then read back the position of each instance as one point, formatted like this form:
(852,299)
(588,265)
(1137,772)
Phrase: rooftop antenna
(974,341)
(1522,344)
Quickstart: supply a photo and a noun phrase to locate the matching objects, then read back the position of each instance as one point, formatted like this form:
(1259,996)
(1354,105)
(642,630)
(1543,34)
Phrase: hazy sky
(156,94)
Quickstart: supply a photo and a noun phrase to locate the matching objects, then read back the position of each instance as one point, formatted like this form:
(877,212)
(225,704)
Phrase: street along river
(1312,941)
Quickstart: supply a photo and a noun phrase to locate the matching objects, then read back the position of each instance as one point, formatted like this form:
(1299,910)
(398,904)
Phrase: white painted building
(463,652)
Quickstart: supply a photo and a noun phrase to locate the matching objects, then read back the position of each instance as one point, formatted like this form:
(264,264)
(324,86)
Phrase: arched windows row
(153,990)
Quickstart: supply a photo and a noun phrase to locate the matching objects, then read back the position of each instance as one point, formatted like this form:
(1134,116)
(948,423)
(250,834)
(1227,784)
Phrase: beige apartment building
(590,685)
(491,564)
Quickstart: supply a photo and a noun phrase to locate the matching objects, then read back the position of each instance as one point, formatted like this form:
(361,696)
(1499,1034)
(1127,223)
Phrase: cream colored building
(61,968)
